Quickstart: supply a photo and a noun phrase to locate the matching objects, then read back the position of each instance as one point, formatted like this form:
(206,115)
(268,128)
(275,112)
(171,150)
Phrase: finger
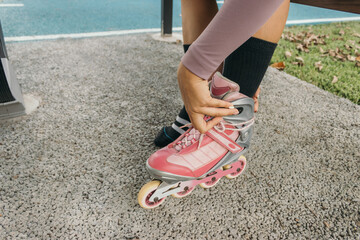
(198,122)
(256,99)
(218,112)
(256,105)
(219,103)
(211,123)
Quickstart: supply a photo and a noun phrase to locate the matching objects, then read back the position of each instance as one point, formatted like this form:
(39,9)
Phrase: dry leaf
(358,58)
(300,59)
(340,57)
(357,64)
(318,65)
(351,58)
(352,42)
(335,79)
(300,47)
(332,53)
(327,224)
(356,35)
(341,32)
(287,54)
(347,47)
(278,65)
(321,50)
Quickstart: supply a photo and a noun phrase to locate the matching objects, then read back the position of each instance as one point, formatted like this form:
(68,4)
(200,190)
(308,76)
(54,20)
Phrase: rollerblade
(202,159)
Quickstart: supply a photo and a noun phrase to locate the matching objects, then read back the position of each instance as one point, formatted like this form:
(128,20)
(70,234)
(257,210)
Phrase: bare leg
(271,31)
(196,15)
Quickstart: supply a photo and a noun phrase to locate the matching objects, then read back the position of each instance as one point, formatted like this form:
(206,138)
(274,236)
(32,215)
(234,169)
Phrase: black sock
(247,65)
(170,133)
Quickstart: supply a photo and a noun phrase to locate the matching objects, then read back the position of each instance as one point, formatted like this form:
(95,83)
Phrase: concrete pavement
(73,168)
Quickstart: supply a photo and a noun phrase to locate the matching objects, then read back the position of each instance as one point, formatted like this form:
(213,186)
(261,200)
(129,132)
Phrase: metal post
(166,17)
(11,99)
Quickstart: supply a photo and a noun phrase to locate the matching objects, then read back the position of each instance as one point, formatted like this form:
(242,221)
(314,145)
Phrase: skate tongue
(221,86)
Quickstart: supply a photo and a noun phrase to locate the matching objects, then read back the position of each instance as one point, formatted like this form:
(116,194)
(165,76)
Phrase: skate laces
(194,135)
(189,138)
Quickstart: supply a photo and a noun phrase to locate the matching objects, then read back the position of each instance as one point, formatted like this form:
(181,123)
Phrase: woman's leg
(196,15)
(247,64)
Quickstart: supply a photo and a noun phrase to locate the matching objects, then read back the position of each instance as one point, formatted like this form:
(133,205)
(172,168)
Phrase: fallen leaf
(300,59)
(357,64)
(351,58)
(347,47)
(335,79)
(321,50)
(332,53)
(340,57)
(287,54)
(300,47)
(357,46)
(278,65)
(358,58)
(352,42)
(341,32)
(318,65)
(327,224)
(356,35)
(298,63)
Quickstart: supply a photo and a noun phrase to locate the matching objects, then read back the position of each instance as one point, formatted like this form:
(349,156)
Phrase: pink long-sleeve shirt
(236,22)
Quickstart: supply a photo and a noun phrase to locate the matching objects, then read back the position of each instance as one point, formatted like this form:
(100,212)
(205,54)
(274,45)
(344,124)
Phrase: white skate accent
(179,130)
(200,157)
(181,120)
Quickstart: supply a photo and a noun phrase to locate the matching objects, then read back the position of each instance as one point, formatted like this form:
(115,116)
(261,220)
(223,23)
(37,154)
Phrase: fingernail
(236,112)
(231,107)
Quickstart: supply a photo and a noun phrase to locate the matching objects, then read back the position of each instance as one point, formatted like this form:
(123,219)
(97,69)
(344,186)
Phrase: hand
(256,100)
(198,102)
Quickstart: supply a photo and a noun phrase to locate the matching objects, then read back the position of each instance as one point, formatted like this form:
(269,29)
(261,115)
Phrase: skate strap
(224,141)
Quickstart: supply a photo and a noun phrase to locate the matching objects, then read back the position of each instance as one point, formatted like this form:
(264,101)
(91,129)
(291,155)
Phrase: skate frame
(166,189)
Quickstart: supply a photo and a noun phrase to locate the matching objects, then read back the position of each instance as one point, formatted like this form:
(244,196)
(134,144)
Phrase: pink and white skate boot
(202,159)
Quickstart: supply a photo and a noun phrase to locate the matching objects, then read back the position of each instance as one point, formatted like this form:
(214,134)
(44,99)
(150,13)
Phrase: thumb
(211,123)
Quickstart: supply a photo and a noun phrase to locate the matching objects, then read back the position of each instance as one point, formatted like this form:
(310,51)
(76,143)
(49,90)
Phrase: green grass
(347,72)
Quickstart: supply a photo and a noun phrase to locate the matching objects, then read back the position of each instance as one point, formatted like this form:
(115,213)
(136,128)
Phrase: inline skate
(202,159)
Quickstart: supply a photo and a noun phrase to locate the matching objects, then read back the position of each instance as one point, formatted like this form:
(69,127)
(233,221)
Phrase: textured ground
(73,168)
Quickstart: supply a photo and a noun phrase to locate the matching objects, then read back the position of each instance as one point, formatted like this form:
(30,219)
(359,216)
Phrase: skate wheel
(146,192)
(213,181)
(238,169)
(184,193)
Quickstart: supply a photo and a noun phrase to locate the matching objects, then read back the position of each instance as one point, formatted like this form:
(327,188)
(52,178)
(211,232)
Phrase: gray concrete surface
(73,168)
